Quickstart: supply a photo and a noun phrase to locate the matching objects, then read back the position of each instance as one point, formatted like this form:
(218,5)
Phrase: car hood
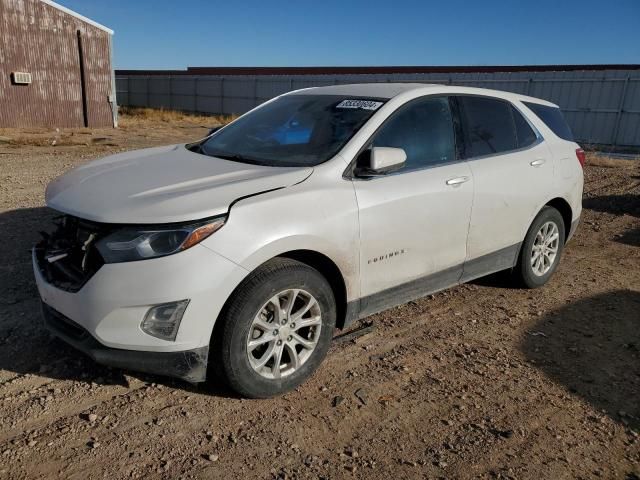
(162,185)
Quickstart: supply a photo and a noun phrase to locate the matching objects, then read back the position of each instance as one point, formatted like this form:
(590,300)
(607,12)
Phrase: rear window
(553,118)
(488,125)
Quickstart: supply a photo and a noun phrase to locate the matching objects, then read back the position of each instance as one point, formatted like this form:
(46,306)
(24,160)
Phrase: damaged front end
(67,257)
(188,365)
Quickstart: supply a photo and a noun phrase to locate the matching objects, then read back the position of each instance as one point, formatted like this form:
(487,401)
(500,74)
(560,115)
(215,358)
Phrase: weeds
(131,116)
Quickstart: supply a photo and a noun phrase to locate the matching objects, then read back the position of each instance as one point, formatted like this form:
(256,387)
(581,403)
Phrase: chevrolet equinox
(241,253)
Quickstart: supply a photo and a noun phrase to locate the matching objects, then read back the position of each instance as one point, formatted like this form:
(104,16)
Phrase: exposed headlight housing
(139,243)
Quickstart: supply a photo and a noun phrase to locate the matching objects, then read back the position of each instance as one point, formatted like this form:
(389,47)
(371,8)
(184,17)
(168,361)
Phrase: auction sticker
(359,104)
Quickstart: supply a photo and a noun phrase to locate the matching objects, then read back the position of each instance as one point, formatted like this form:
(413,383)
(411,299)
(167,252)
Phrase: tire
(251,310)
(528,275)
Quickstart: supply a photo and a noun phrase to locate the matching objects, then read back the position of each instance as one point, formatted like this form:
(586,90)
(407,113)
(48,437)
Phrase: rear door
(414,222)
(513,173)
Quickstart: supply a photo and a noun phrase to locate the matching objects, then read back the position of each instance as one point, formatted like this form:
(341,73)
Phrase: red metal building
(56,67)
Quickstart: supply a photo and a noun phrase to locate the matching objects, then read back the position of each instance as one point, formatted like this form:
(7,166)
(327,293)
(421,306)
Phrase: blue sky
(176,34)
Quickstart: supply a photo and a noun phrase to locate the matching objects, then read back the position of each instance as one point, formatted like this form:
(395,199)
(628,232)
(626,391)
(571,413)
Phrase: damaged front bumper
(100,308)
(189,365)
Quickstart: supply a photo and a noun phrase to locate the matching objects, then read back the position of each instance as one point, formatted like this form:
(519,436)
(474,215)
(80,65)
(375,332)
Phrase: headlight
(139,243)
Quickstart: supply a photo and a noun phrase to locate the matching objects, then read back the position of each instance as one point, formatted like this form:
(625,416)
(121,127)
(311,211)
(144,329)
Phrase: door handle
(537,162)
(457,181)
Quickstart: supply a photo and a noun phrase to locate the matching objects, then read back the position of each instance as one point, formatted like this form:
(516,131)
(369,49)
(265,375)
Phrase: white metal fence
(601,106)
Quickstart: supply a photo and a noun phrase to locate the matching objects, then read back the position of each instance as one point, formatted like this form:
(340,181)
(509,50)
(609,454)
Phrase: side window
(553,118)
(524,133)
(424,129)
(488,126)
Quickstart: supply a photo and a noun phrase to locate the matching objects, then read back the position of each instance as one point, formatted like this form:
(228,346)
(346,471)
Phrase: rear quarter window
(525,134)
(552,118)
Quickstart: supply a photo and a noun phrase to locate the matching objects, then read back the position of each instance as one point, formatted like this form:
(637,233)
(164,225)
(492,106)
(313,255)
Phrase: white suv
(245,250)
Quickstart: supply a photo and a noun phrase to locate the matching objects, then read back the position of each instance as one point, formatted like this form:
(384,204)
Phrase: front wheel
(276,329)
(541,250)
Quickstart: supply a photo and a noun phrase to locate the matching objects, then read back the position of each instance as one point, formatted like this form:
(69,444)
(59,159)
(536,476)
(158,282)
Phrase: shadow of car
(592,348)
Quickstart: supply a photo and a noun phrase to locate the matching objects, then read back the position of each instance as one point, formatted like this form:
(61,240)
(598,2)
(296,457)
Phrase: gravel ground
(481,381)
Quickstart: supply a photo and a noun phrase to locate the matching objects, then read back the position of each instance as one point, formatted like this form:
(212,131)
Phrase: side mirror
(214,130)
(381,160)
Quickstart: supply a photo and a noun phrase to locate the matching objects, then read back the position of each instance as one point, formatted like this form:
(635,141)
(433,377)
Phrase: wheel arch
(565,210)
(331,272)
(319,261)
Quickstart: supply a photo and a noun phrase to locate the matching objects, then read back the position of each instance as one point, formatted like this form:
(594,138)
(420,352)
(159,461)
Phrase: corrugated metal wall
(42,40)
(602,106)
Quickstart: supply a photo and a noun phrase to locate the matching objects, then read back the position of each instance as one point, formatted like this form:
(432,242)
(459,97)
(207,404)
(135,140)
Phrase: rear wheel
(542,248)
(276,329)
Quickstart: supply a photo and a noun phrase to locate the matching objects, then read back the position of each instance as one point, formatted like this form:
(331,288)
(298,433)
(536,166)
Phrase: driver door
(414,222)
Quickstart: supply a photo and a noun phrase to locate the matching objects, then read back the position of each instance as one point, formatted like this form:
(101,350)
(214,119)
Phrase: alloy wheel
(545,248)
(284,333)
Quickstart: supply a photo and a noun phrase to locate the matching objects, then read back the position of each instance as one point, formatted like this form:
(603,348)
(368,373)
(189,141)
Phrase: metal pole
(255,92)
(114,96)
(195,94)
(170,92)
(222,96)
(623,96)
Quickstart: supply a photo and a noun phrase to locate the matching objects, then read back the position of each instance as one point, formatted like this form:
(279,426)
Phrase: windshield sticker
(360,104)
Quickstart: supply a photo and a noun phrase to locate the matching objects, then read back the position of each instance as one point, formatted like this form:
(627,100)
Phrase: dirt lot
(482,381)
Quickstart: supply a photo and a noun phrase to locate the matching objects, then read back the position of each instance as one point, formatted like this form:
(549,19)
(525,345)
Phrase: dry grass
(132,116)
(48,137)
(136,126)
(608,162)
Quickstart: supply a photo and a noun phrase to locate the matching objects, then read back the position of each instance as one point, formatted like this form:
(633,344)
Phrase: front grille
(67,256)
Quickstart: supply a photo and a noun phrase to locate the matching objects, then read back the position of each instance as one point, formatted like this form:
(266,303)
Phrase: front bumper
(189,365)
(113,303)
(103,318)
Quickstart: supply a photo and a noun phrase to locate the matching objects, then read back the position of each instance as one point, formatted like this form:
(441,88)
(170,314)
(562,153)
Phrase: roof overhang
(78,16)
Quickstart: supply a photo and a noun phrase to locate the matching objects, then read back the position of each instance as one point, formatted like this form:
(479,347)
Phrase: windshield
(292,131)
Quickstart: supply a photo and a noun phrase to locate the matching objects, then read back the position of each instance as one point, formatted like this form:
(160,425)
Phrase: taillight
(582,157)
